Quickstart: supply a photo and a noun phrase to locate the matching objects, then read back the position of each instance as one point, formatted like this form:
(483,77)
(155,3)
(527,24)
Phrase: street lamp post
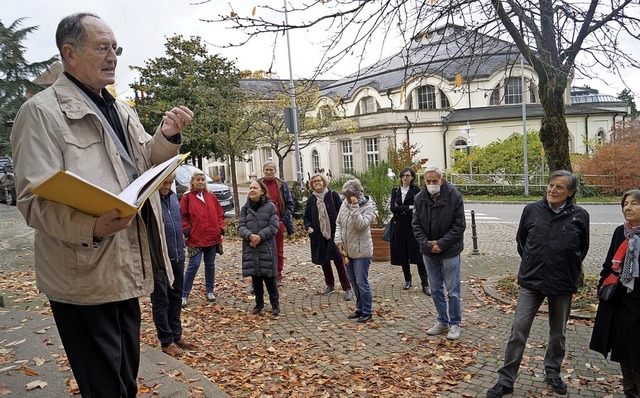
(292,94)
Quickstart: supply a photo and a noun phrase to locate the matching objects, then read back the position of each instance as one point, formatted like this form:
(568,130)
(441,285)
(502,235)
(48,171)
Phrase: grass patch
(586,300)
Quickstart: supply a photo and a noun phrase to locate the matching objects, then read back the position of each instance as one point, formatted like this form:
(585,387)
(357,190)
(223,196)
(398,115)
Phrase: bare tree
(560,39)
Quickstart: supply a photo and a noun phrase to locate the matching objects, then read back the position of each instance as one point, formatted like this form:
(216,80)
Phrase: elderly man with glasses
(93,269)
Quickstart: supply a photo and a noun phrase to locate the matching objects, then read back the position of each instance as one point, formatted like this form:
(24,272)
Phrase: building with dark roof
(450,89)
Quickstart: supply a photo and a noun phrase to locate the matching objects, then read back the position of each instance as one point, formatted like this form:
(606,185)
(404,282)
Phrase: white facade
(386,106)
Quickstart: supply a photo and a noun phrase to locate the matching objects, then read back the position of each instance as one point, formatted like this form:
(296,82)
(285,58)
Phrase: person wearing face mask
(438,225)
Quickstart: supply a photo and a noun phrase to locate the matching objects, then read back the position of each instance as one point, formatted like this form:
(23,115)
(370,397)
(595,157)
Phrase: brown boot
(185,345)
(172,349)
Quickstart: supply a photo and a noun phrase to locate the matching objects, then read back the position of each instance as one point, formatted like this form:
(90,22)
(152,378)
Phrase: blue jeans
(166,304)
(529,302)
(209,270)
(358,274)
(445,273)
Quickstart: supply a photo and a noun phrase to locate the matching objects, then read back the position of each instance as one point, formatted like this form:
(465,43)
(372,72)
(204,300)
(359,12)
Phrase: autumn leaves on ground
(240,356)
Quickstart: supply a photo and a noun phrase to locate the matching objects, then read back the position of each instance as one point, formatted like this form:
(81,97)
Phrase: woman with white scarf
(320,216)
(617,322)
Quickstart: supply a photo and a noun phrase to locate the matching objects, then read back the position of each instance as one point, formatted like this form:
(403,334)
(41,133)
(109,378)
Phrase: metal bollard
(474,235)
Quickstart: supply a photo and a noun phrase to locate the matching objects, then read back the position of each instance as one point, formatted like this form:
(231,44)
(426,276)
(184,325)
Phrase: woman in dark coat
(618,320)
(320,223)
(257,226)
(404,247)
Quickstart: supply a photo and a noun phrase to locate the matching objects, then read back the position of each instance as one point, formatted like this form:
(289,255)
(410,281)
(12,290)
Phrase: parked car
(7,189)
(222,191)
(6,164)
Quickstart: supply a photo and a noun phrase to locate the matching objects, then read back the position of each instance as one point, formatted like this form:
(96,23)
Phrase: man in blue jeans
(438,225)
(553,239)
(166,297)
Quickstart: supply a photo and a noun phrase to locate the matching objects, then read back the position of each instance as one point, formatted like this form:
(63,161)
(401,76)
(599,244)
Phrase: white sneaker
(454,332)
(211,297)
(184,302)
(438,328)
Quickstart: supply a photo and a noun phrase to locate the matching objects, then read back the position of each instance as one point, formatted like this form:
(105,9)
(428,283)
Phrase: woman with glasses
(403,245)
(320,216)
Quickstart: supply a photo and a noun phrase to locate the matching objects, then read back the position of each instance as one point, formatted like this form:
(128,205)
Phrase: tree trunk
(554,132)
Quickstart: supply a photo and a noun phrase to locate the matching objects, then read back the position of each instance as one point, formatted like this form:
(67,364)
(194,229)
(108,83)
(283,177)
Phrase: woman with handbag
(618,318)
(403,245)
(203,226)
(319,219)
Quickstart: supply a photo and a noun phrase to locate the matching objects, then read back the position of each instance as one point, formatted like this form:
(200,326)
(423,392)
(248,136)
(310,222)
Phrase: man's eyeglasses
(105,48)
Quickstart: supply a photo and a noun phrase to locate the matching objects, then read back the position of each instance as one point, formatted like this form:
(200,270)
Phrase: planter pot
(380,246)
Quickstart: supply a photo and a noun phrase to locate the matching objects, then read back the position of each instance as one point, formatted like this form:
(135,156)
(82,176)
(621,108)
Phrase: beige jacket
(57,129)
(353,229)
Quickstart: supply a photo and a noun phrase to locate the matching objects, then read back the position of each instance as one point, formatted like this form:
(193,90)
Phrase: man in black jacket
(438,225)
(553,239)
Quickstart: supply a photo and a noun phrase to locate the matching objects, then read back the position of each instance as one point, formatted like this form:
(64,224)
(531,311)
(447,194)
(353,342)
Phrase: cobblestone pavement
(401,314)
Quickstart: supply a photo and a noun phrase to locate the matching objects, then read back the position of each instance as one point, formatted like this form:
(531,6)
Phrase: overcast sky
(141,27)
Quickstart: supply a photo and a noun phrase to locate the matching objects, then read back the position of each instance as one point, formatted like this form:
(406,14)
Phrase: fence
(513,184)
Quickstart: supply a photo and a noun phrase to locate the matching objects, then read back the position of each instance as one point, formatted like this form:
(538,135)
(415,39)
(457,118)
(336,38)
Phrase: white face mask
(433,189)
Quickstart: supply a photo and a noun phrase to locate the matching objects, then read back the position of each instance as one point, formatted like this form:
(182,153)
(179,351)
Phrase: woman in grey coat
(257,226)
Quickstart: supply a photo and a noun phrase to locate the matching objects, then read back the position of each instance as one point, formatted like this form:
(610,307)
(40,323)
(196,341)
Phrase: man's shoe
(257,309)
(406,285)
(184,302)
(498,391)
(557,384)
(185,345)
(438,328)
(454,332)
(328,289)
(348,295)
(211,297)
(364,318)
(275,310)
(172,349)
(426,290)
(354,315)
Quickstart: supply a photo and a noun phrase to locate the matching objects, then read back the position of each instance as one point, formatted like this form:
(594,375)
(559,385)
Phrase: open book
(72,190)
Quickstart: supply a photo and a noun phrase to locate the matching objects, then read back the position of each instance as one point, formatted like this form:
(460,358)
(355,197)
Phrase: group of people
(427,228)
(94,269)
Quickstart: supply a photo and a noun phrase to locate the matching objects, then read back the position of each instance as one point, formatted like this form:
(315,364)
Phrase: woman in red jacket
(203,227)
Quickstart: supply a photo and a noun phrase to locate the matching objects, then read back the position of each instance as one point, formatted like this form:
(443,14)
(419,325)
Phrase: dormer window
(427,97)
(367,105)
(510,92)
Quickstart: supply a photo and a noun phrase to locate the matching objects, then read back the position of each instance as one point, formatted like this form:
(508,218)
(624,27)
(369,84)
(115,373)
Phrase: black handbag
(219,249)
(608,287)
(387,232)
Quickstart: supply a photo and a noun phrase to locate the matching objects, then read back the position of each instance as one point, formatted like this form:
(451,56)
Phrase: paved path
(398,315)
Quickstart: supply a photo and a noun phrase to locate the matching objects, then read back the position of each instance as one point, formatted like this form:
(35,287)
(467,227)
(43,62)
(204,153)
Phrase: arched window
(513,91)
(601,137)
(444,101)
(495,96)
(460,145)
(367,105)
(315,159)
(325,113)
(426,97)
